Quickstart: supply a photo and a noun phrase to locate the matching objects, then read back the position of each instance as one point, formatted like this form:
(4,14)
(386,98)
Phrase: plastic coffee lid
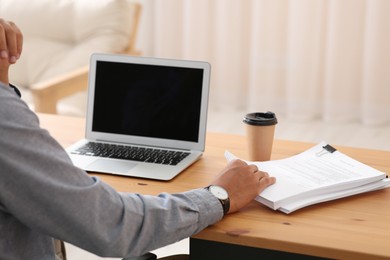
(260,118)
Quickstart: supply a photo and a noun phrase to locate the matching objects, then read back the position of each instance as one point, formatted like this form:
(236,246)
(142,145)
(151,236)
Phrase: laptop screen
(157,101)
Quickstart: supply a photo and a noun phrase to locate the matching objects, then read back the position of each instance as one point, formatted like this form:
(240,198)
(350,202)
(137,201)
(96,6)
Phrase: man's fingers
(16,44)
(262,174)
(3,41)
(253,168)
(11,41)
(266,181)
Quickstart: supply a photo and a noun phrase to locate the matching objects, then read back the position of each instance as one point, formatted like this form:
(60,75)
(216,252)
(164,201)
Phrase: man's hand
(243,183)
(11,44)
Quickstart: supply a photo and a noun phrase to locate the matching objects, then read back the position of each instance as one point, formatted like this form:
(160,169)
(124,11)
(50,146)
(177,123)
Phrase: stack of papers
(316,175)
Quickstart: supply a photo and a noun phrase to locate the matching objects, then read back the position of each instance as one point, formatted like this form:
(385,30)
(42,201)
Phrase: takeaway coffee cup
(260,129)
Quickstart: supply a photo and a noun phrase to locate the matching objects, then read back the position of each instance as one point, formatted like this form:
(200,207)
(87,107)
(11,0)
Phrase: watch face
(219,192)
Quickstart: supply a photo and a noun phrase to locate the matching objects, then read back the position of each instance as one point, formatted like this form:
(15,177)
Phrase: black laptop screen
(147,100)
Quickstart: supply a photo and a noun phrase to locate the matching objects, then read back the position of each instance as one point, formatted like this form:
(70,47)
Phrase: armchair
(60,36)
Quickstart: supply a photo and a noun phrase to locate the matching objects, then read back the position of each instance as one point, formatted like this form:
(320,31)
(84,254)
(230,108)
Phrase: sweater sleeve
(41,188)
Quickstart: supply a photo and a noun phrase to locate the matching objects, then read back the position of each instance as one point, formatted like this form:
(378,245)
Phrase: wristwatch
(222,195)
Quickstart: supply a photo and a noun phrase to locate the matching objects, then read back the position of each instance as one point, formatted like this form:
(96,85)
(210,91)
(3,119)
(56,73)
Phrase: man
(43,196)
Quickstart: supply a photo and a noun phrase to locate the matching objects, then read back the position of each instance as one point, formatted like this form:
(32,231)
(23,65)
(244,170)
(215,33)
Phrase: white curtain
(302,59)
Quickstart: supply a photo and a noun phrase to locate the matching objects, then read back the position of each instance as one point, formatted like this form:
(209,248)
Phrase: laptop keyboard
(134,153)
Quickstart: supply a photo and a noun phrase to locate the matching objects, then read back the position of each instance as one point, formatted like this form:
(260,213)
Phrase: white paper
(313,176)
(385,183)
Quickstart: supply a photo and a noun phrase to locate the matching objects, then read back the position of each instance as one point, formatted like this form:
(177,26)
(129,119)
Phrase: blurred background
(321,65)
(303,59)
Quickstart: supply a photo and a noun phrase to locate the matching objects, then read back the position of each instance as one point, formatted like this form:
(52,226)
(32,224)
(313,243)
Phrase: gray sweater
(43,196)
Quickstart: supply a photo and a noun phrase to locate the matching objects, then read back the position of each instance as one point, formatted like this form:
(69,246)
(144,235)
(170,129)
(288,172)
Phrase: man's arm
(42,189)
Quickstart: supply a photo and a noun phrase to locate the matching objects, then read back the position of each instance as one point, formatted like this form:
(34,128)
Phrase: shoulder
(13,110)
(17,91)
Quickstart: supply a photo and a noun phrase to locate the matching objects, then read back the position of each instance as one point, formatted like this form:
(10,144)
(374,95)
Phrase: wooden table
(357,227)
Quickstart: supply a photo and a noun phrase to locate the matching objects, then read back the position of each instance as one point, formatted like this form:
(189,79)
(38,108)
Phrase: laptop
(146,117)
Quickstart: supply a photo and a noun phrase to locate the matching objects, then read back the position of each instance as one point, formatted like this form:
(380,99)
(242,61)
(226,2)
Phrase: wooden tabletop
(356,227)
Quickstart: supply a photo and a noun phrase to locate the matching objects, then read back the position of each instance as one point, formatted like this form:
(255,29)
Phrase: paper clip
(326,149)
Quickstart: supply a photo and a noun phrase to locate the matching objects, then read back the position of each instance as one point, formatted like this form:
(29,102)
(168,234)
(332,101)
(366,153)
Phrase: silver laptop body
(144,102)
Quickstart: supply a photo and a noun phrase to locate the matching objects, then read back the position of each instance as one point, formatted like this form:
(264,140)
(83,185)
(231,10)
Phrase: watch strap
(224,202)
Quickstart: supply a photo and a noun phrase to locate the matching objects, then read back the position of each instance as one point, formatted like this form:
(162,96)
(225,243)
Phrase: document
(316,175)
